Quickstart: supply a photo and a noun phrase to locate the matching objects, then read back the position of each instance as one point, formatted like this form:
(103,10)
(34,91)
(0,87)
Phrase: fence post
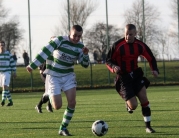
(91,75)
(164,78)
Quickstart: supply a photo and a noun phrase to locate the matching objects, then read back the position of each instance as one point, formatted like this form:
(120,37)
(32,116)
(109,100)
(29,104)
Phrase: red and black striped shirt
(125,55)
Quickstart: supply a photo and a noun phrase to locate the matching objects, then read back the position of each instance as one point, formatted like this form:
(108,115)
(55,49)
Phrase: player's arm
(110,61)
(13,66)
(147,53)
(41,57)
(84,57)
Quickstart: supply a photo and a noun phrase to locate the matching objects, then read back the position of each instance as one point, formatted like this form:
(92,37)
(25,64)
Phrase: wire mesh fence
(97,76)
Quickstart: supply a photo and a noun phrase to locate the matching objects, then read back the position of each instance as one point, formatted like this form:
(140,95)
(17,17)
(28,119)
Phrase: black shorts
(129,85)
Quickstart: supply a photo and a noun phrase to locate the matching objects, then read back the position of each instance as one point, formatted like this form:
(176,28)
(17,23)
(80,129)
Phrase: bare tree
(163,40)
(96,38)
(134,15)
(174,9)
(9,30)
(10,33)
(3,11)
(79,13)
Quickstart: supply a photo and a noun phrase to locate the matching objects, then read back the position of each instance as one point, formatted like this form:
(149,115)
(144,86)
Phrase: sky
(45,16)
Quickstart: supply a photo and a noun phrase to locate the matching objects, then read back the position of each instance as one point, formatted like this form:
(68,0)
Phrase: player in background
(7,66)
(65,51)
(130,82)
(45,97)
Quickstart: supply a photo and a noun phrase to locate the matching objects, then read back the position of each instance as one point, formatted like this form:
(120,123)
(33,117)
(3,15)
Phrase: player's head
(130,33)
(75,34)
(2,46)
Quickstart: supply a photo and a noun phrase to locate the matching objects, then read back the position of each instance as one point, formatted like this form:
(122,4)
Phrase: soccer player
(130,82)
(45,97)
(7,65)
(65,51)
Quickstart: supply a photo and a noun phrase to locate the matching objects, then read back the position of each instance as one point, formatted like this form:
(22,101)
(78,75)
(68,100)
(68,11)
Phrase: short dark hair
(77,28)
(130,27)
(2,42)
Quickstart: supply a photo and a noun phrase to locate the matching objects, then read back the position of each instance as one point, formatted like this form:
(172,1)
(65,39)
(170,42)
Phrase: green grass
(22,120)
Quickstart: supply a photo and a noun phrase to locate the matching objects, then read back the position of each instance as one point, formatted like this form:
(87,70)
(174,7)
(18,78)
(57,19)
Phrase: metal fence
(97,76)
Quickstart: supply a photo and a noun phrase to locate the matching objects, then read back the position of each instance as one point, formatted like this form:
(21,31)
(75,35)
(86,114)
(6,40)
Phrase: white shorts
(5,78)
(54,85)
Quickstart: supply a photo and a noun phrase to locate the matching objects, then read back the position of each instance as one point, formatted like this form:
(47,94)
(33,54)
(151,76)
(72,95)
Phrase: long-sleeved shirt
(60,55)
(7,63)
(125,55)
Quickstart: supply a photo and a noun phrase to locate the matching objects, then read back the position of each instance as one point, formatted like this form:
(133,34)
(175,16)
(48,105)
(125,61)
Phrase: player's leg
(142,95)
(131,104)
(5,82)
(53,89)
(70,91)
(38,107)
(49,107)
(46,99)
(4,95)
(56,101)
(8,94)
(3,90)
(68,114)
(124,87)
(127,94)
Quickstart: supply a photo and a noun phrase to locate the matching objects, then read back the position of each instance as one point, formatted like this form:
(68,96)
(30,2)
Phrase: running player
(65,51)
(130,82)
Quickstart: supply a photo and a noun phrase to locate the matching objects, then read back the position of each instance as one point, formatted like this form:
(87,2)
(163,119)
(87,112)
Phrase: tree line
(95,38)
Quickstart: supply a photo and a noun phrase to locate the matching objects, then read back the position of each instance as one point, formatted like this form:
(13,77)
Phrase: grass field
(22,121)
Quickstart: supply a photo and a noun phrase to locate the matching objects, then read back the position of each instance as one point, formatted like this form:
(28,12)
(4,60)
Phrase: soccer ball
(99,128)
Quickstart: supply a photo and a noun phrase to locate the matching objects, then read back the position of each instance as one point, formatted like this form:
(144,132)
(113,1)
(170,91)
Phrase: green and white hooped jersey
(7,63)
(60,55)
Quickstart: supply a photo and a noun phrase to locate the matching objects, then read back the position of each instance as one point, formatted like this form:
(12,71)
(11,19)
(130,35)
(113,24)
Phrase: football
(99,128)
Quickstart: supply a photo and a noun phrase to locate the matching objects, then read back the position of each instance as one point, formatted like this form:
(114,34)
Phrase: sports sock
(146,113)
(4,95)
(45,98)
(67,116)
(40,103)
(49,104)
(9,96)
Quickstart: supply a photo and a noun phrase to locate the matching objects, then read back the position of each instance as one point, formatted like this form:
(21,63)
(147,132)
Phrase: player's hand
(85,50)
(116,69)
(29,69)
(155,73)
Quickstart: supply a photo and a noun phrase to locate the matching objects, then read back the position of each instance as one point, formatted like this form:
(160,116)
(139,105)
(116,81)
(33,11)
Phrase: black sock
(147,124)
(49,104)
(45,98)
(146,114)
(40,102)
